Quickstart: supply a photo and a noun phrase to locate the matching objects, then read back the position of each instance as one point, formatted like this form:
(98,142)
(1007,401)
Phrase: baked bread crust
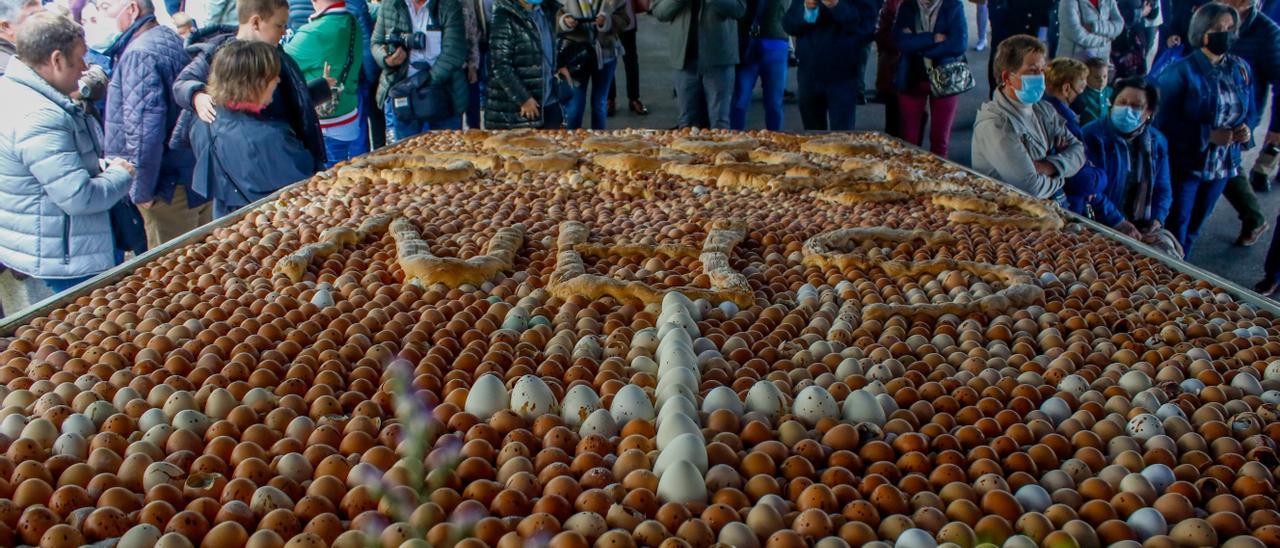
(417,262)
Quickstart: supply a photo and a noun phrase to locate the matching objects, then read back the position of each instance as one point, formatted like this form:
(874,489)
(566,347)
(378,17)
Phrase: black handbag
(127,227)
(579,57)
(419,98)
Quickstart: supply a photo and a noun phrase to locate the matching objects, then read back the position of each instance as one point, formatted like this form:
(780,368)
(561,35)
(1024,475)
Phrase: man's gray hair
(44,33)
(1205,18)
(11,10)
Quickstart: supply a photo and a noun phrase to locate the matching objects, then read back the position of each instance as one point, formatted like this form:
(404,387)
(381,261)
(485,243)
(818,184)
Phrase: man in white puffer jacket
(54,193)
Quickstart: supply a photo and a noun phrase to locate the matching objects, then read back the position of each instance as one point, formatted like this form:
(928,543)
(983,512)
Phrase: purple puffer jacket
(141,114)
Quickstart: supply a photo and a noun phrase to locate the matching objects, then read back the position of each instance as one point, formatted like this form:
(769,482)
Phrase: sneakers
(1266,288)
(981,45)
(1251,237)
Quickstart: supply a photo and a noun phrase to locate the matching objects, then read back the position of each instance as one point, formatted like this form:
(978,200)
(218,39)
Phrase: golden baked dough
(873,196)
(570,277)
(628,162)
(618,143)
(843,146)
(417,262)
(331,240)
(555,161)
(766,156)
(711,147)
(714,171)
(1021,290)
(820,251)
(1026,223)
(519,139)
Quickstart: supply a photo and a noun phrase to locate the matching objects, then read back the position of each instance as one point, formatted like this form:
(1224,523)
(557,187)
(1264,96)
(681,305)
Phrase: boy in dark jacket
(242,156)
(140,116)
(522,67)
(295,98)
(827,33)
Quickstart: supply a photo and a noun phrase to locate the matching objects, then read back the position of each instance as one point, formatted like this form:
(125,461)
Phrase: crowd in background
(131,122)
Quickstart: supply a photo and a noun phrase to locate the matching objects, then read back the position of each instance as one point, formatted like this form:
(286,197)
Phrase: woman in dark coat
(522,66)
(242,156)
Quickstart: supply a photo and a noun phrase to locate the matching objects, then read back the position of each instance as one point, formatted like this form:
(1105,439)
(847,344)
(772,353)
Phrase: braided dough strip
(554,161)
(766,156)
(570,277)
(874,196)
(519,139)
(331,240)
(455,171)
(628,162)
(674,251)
(1021,290)
(714,171)
(1027,223)
(818,250)
(845,146)
(417,262)
(613,143)
(711,147)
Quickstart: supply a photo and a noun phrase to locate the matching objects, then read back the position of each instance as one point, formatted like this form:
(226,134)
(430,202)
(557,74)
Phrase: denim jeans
(771,70)
(600,80)
(58,286)
(1193,201)
(399,130)
(339,151)
(361,144)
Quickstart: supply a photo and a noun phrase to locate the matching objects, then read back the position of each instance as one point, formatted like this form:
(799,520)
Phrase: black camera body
(410,41)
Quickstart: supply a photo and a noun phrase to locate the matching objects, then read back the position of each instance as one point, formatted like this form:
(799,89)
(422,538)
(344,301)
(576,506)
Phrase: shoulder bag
(950,77)
(330,107)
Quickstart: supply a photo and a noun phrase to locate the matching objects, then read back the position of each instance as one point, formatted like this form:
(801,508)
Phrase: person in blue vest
(1207,103)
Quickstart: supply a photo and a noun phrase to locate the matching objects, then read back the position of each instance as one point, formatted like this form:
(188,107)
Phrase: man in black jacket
(295,98)
(828,35)
(1014,17)
(1258,43)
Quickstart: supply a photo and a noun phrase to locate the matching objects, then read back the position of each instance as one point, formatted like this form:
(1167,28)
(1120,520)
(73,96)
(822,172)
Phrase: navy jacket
(1011,17)
(1189,105)
(918,46)
(826,48)
(1109,150)
(1082,188)
(141,114)
(1259,45)
(254,157)
(294,100)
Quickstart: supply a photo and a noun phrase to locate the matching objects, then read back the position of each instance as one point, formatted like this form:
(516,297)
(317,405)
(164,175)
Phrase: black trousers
(631,62)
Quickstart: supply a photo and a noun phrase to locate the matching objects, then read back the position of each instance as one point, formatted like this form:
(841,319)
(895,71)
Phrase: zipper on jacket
(66,239)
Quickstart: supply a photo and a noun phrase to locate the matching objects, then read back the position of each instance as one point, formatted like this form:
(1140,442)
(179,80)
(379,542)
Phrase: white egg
(1056,409)
(588,347)
(677,425)
(765,398)
(728,308)
(848,367)
(1074,384)
(1192,386)
(1144,427)
(190,419)
(915,538)
(676,299)
(13,425)
(1033,498)
(322,298)
(684,448)
(517,319)
(158,434)
(722,397)
(815,403)
(738,535)
(71,444)
(1247,383)
(861,406)
(631,402)
(1160,476)
(599,422)
(678,321)
(76,423)
(676,356)
(1170,410)
(1134,382)
(680,376)
(1020,541)
(143,535)
(487,396)
(1271,396)
(644,364)
(645,339)
(531,398)
(682,483)
(578,403)
(678,404)
(666,393)
(887,403)
(1272,373)
(1147,523)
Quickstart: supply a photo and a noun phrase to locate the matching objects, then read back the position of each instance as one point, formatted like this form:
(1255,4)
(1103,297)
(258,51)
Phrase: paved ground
(1214,251)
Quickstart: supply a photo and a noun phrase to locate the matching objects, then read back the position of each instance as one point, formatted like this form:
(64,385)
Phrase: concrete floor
(1214,250)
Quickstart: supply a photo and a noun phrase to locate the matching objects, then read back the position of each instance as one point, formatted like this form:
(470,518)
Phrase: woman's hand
(1241,134)
(529,109)
(1222,136)
(204,107)
(569,22)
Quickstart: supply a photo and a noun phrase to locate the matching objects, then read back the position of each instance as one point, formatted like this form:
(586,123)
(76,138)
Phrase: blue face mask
(1032,89)
(1126,119)
(534,2)
(811,15)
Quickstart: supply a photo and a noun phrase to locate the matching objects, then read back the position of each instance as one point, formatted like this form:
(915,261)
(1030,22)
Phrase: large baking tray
(11,323)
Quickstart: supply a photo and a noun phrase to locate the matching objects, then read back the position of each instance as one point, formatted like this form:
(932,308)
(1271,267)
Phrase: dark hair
(1141,84)
(1205,17)
(1097,63)
(262,8)
(1014,50)
(44,33)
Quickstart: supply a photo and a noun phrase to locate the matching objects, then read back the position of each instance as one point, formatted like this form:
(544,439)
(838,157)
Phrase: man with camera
(421,46)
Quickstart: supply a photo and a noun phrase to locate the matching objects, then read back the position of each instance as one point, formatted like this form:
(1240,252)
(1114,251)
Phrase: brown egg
(105,523)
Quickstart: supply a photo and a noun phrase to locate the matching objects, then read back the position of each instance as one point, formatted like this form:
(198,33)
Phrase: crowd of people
(131,123)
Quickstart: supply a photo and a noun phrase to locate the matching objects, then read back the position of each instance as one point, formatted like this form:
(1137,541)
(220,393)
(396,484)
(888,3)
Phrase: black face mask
(1219,43)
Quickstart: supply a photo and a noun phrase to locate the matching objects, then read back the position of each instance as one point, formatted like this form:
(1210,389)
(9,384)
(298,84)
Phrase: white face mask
(100,32)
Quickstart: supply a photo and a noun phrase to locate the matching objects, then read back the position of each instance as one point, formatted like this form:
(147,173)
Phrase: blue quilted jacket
(54,196)
(141,114)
